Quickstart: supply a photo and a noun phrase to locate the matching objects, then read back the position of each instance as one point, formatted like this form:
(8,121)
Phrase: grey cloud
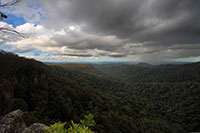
(117,56)
(159,25)
(135,19)
(23,50)
(84,41)
(78,55)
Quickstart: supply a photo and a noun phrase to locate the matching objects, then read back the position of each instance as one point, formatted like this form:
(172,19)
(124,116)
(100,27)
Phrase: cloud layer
(117,28)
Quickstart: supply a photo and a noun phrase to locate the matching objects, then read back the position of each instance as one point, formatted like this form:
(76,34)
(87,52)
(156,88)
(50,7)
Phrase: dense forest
(122,97)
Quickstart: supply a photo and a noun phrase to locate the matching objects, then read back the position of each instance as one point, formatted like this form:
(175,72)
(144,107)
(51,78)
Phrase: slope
(50,93)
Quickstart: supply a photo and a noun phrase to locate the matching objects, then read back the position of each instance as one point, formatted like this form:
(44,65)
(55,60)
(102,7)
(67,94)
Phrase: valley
(122,97)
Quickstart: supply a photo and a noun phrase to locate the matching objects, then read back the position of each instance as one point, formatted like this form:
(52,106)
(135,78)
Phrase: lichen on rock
(14,123)
(35,128)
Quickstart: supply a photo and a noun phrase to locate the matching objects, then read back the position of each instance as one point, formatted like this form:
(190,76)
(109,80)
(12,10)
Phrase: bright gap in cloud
(14,20)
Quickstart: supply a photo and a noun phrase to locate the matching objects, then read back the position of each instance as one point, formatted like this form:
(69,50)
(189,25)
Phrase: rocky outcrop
(14,123)
(35,128)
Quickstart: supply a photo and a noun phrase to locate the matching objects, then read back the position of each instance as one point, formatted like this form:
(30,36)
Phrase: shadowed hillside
(50,94)
(174,89)
(160,73)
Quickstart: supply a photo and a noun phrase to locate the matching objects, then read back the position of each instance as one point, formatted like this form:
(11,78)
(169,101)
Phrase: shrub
(83,127)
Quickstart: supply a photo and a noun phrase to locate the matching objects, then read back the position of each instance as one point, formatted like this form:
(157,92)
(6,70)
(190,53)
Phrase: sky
(152,31)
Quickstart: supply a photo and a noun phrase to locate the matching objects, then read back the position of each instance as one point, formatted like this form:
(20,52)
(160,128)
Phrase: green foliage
(56,128)
(78,128)
(150,74)
(74,127)
(145,99)
(88,121)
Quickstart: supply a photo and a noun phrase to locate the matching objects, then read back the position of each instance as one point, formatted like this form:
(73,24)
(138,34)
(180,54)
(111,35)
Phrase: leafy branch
(5,30)
(13,2)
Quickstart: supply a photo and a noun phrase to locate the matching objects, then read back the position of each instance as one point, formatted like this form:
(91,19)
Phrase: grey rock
(12,122)
(35,128)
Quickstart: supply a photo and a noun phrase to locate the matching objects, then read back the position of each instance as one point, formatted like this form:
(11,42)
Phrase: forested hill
(83,68)
(174,89)
(45,92)
(49,94)
(161,73)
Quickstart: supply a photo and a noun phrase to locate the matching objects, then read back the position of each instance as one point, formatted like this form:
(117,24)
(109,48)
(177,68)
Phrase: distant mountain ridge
(142,64)
(149,73)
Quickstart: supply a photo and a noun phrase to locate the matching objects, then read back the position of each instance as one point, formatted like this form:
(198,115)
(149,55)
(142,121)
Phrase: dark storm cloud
(126,27)
(108,17)
(117,56)
(164,21)
(83,41)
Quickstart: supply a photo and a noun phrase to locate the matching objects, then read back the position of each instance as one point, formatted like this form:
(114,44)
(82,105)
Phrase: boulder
(35,128)
(12,122)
